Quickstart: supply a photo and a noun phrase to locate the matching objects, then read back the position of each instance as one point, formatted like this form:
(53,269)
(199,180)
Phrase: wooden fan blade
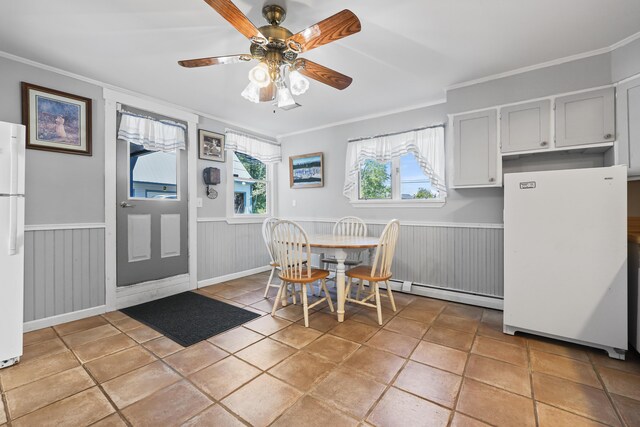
(231,13)
(323,74)
(268,93)
(214,60)
(334,28)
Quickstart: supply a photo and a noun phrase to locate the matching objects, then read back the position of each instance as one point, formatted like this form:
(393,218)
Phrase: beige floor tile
(461,420)
(564,367)
(40,335)
(628,408)
(499,374)
(495,406)
(622,383)
(3,415)
(194,358)
(230,292)
(310,412)
(215,416)
(353,393)
(381,365)
(112,316)
(492,317)
(267,325)
(236,339)
(428,304)
(429,383)
(354,331)
(113,420)
(408,327)
(548,416)
(631,363)
(558,347)
(398,344)
(114,365)
(577,398)
(103,347)
(302,370)
(265,305)
(81,409)
(249,297)
(369,316)
(126,324)
(274,396)
(138,384)
(296,336)
(33,370)
(38,394)
(501,351)
(457,323)
(266,353)
(321,321)
(332,348)
(143,334)
(462,310)
(162,347)
(168,407)
(80,325)
(441,357)
(450,338)
(77,339)
(43,349)
(223,377)
(400,409)
(495,332)
(291,312)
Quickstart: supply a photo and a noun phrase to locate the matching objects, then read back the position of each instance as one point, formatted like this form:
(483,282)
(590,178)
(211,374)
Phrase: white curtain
(426,144)
(261,149)
(153,135)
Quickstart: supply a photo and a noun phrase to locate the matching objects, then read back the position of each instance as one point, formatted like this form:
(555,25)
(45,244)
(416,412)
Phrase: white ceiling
(407,53)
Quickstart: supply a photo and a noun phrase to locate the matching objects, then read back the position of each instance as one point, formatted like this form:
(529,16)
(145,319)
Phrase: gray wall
(625,61)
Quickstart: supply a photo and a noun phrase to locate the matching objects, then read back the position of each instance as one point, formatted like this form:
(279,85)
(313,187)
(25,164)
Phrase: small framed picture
(56,121)
(211,145)
(306,171)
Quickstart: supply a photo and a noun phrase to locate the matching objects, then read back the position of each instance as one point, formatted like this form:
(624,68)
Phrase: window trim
(396,200)
(232,216)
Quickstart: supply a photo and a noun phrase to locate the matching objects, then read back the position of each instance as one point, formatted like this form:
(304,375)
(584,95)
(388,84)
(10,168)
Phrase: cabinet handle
(491,179)
(544,143)
(608,136)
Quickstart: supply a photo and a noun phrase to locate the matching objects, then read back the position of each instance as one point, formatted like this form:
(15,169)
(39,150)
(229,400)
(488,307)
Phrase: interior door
(152,223)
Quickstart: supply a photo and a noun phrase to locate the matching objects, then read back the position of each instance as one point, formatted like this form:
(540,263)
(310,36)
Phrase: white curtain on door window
(153,135)
(426,144)
(261,149)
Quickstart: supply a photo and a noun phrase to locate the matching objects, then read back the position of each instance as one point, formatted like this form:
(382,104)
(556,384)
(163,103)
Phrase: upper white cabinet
(585,118)
(629,125)
(525,127)
(476,149)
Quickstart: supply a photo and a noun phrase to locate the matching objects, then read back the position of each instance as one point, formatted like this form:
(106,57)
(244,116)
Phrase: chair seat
(316,274)
(363,272)
(350,262)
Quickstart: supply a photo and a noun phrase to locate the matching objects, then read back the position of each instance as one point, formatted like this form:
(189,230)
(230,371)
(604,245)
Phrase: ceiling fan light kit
(277,49)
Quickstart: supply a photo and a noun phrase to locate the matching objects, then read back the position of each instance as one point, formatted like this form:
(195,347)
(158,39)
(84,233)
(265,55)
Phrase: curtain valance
(258,148)
(426,144)
(153,135)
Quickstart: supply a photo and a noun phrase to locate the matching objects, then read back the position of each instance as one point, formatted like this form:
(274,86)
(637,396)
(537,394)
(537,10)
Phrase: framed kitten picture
(211,145)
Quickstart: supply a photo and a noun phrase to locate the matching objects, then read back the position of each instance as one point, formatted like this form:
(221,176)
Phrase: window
(375,180)
(250,185)
(152,174)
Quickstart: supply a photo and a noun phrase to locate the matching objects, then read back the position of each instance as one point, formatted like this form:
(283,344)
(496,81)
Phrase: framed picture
(306,171)
(211,145)
(56,121)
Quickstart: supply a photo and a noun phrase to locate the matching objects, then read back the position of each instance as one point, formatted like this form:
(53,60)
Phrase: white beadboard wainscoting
(227,251)
(457,262)
(64,273)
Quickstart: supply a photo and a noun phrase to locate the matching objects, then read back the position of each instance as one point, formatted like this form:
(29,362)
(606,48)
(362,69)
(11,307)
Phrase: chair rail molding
(76,226)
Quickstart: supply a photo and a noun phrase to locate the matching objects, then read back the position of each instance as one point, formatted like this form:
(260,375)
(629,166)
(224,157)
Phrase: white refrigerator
(12,151)
(565,256)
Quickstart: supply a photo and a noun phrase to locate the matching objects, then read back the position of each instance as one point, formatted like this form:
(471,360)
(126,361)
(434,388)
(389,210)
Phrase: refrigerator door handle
(13,225)
(13,155)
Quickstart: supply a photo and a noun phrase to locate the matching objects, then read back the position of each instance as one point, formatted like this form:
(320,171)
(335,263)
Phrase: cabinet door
(586,118)
(629,126)
(525,127)
(476,149)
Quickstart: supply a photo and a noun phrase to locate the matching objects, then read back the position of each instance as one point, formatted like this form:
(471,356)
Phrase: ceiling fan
(277,49)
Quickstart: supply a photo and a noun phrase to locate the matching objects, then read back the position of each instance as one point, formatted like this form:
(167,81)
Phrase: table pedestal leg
(340,287)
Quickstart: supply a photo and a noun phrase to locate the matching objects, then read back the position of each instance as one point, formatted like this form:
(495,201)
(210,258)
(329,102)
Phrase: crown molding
(547,64)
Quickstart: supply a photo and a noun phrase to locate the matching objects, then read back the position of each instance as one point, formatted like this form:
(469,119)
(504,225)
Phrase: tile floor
(432,363)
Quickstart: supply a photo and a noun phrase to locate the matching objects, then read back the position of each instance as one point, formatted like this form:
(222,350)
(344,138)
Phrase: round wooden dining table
(341,247)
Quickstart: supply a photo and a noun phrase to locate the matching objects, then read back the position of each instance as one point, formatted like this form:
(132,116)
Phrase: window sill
(248,219)
(428,203)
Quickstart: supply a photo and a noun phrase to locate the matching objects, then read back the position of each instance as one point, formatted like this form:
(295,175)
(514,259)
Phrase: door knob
(125,205)
(543,143)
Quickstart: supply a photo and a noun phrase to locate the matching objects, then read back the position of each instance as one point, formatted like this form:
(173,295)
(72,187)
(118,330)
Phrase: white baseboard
(63,318)
(220,279)
(126,296)
(449,295)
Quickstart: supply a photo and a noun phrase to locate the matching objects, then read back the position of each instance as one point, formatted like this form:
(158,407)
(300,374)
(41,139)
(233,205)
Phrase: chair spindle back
(350,226)
(291,246)
(267,231)
(386,249)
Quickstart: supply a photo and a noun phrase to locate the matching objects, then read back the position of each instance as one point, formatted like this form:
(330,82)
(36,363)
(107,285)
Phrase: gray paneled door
(152,223)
